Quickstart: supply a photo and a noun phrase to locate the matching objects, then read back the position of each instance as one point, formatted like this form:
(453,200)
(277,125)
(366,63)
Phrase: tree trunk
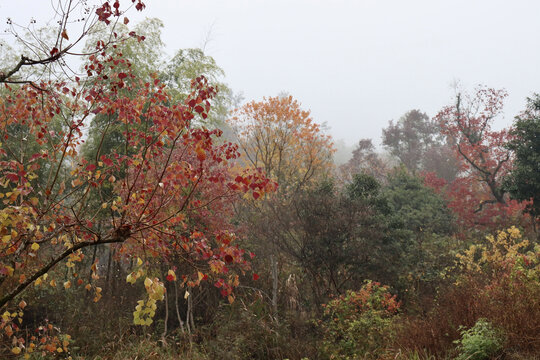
(177,308)
(274,268)
(164,334)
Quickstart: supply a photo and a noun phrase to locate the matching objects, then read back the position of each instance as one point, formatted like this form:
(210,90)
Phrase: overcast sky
(356,64)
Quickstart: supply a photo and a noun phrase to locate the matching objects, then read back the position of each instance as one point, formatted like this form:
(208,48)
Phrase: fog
(355,64)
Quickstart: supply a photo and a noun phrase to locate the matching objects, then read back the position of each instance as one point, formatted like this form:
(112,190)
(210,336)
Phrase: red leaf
(228,258)
(12,177)
(122,76)
(256,195)
(255,277)
(54,51)
(91,167)
(107,161)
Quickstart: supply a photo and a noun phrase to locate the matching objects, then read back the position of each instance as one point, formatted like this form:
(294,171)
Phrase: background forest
(148,212)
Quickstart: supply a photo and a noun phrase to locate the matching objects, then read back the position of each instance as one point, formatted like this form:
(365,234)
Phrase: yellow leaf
(67,284)
(76,182)
(16,350)
(130,279)
(186,295)
(35,246)
(9,270)
(139,261)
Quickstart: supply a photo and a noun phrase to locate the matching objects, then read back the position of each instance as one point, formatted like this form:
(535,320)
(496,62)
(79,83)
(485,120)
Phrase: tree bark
(22,286)
(274,269)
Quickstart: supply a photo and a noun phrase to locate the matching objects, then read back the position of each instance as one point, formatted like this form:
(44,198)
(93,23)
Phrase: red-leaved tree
(43,57)
(165,191)
(477,195)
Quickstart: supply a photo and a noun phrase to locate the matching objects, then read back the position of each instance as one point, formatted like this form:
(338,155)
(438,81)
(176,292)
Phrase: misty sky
(355,64)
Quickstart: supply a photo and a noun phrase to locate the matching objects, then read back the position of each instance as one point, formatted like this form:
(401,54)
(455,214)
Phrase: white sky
(355,64)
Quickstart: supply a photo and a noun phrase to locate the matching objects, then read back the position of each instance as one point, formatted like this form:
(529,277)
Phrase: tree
(147,56)
(409,137)
(477,195)
(416,142)
(171,173)
(419,225)
(416,208)
(146,62)
(145,52)
(336,236)
(364,160)
(190,63)
(523,182)
(278,137)
(44,54)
